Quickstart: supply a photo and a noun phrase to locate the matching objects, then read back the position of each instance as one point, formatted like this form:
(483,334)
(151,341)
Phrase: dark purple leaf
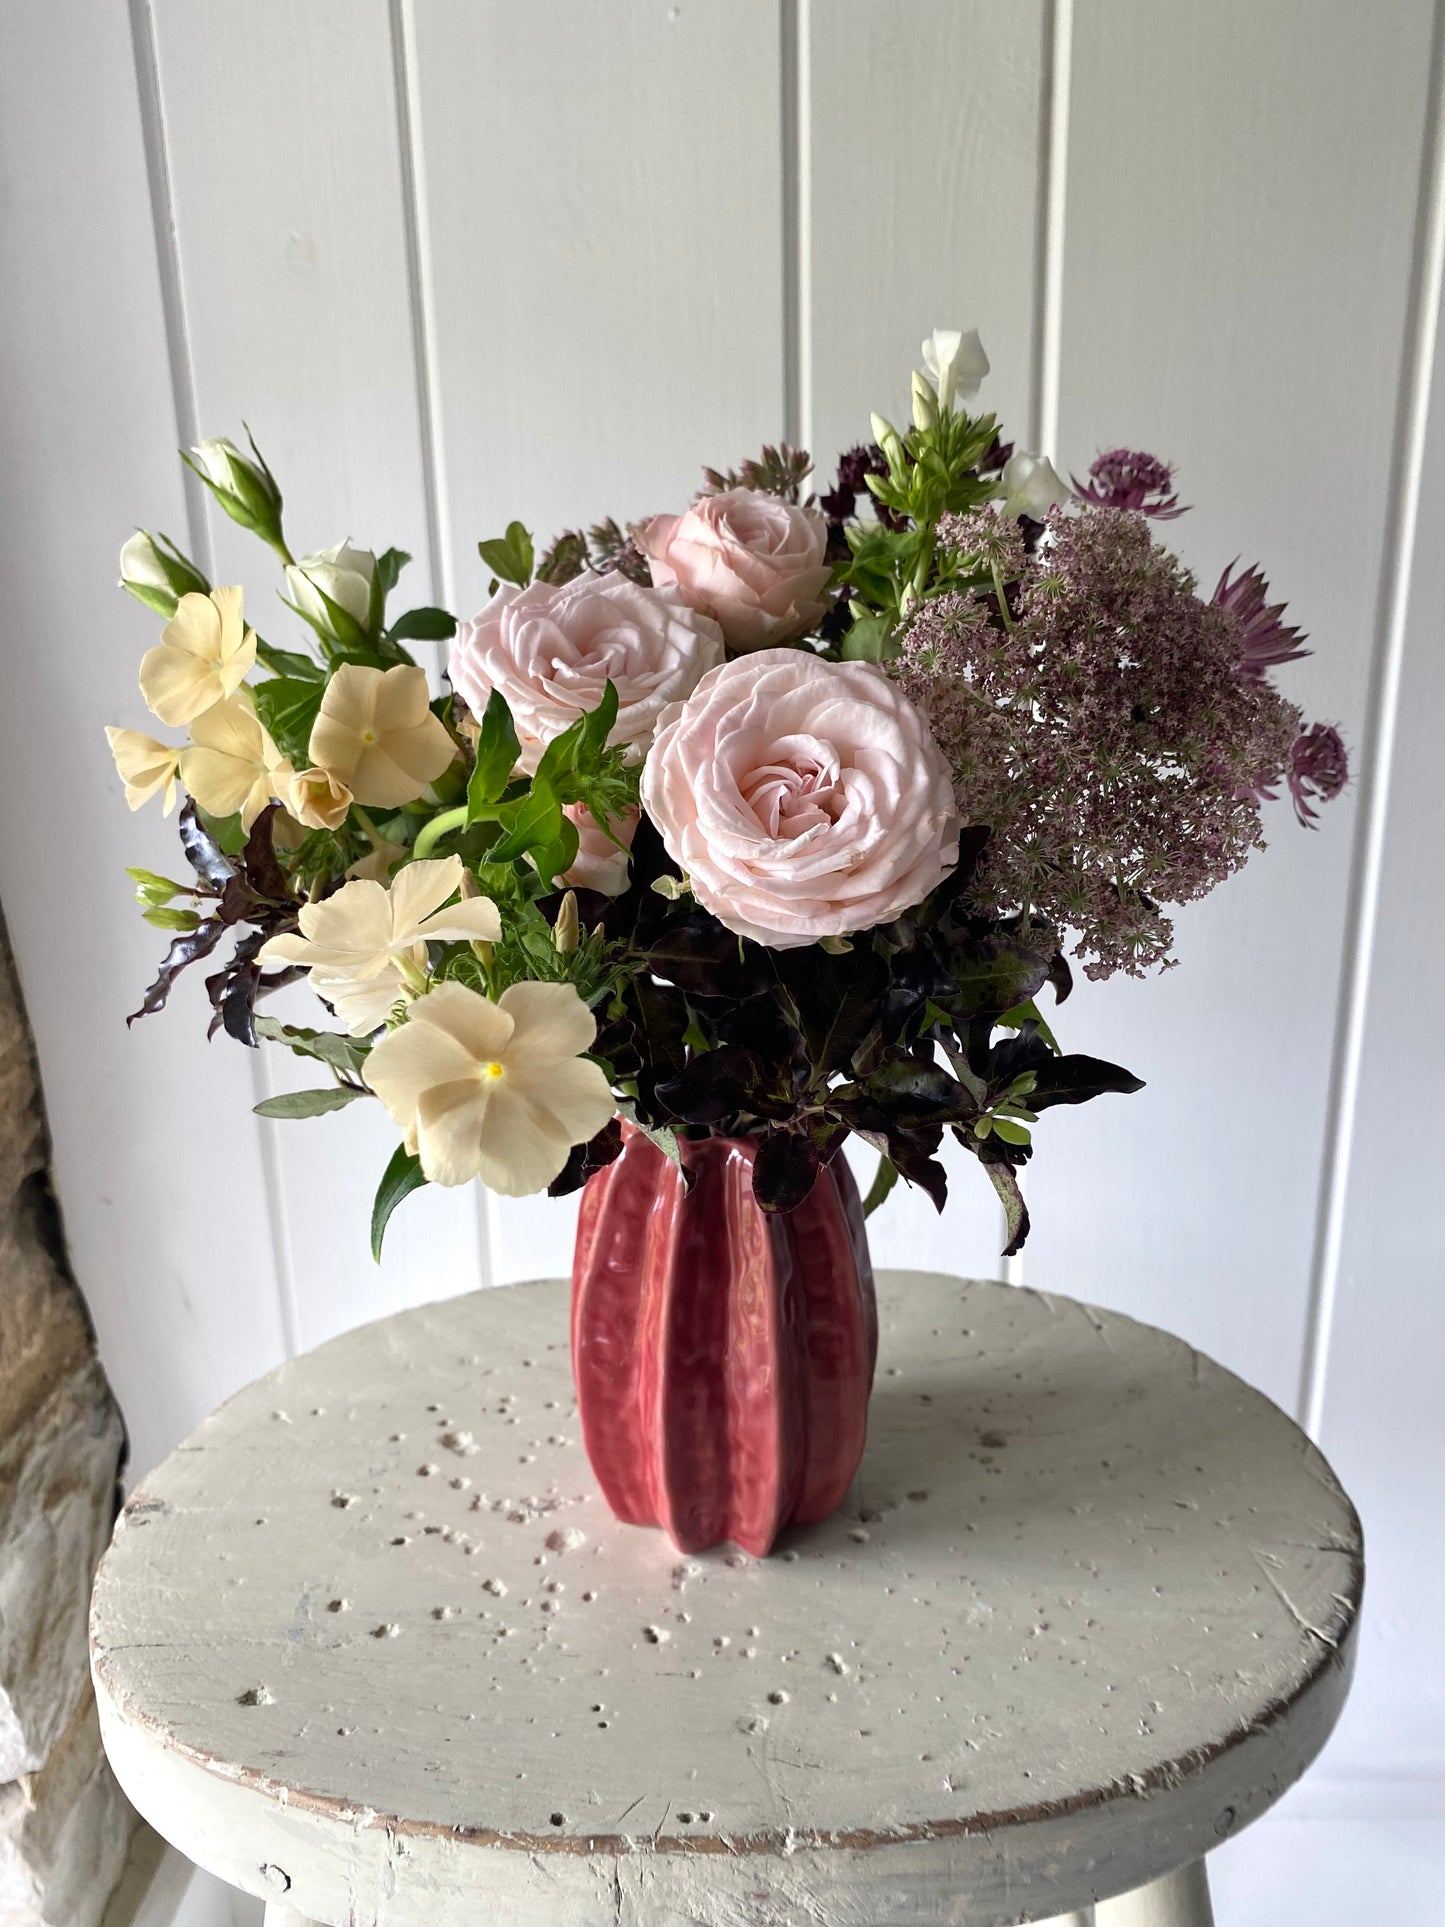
(785,1169)
(188,948)
(203,853)
(585,1159)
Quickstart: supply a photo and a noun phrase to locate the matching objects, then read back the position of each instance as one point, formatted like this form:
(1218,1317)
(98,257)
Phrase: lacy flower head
(1105,736)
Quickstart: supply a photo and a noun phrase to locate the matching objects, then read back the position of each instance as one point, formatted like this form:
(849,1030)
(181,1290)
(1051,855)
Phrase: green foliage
(332,1097)
(497,751)
(509,556)
(287,707)
(402,1176)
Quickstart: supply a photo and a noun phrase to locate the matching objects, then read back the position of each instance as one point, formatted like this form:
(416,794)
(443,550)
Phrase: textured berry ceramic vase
(723,1356)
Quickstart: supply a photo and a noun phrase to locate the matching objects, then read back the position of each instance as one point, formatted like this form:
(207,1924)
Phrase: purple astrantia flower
(1265,641)
(1319,767)
(1125,478)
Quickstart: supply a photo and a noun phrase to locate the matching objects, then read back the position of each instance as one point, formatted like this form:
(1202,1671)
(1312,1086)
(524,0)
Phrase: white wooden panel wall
(456,260)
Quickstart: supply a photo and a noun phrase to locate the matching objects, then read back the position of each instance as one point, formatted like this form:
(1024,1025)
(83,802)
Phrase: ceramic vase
(723,1355)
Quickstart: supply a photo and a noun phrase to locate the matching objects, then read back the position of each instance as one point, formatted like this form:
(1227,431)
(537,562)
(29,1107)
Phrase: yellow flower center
(368,736)
(493,1070)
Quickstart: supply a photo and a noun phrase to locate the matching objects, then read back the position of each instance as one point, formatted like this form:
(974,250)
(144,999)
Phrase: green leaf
(328,1046)
(1015,1211)
(884,1179)
(389,566)
(422,625)
(400,1178)
(867,641)
(662,1135)
(497,750)
(597,726)
(287,662)
(224,831)
(1010,1132)
(287,708)
(165,919)
(559,758)
(509,556)
(537,822)
(335,1097)
(1028,1013)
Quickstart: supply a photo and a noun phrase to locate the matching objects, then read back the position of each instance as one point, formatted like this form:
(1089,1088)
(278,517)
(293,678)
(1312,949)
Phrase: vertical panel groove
(1381,716)
(183,398)
(794,26)
(421,290)
(423,306)
(1056,79)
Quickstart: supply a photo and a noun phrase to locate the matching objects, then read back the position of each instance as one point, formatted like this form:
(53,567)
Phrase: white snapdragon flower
(957,364)
(344,574)
(365,947)
(496,1091)
(1032,486)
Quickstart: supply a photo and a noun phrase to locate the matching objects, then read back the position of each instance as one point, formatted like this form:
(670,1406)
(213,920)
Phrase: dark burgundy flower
(1264,640)
(1319,767)
(842,499)
(1124,478)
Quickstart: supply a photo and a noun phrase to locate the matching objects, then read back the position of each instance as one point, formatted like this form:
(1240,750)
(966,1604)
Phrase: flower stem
(440,826)
(375,835)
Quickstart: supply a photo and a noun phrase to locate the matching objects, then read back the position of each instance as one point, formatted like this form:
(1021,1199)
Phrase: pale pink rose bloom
(749,560)
(600,865)
(803,798)
(552,648)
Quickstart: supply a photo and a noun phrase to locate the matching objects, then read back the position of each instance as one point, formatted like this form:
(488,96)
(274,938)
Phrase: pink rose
(803,798)
(552,648)
(599,864)
(751,561)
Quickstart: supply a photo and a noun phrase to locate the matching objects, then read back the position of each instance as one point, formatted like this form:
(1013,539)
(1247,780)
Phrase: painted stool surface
(369,1644)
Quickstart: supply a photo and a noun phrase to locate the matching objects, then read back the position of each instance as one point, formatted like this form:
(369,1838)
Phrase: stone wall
(64,1825)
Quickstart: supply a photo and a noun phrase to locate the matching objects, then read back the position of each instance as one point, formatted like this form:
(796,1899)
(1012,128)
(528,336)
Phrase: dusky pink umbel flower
(1126,478)
(1106,737)
(1264,641)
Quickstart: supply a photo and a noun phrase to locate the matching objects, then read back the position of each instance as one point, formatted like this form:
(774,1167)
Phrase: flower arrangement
(772,818)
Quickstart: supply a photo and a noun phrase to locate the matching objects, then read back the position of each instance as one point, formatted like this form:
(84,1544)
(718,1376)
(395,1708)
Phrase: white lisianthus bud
(155,572)
(957,364)
(1031,486)
(925,402)
(566,931)
(343,575)
(244,486)
(888,439)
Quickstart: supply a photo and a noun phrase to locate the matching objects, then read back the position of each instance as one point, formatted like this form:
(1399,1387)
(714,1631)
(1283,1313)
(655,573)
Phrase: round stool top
(370,1640)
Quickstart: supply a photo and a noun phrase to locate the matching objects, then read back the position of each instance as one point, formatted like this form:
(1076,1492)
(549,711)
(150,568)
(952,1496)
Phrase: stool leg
(1176,1900)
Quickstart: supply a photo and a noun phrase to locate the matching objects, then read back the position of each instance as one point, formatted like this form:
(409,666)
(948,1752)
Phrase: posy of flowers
(770,818)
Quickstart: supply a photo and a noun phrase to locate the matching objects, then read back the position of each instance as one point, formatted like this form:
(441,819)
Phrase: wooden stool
(370,1646)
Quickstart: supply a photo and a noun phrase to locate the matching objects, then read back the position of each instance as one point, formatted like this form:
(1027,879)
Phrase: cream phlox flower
(203,656)
(496,1091)
(318,799)
(1031,486)
(375,733)
(144,766)
(957,364)
(231,763)
(365,946)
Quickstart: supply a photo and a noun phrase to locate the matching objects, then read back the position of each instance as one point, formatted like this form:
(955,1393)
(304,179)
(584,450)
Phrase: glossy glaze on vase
(723,1357)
